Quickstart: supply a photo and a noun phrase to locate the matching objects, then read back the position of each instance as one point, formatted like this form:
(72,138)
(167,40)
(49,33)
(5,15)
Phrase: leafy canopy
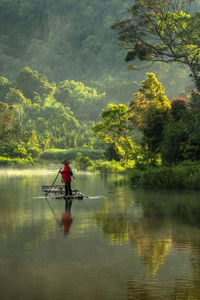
(162,31)
(150,110)
(115,129)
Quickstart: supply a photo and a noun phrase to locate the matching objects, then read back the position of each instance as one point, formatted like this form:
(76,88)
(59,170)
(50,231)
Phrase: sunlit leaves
(150,110)
(115,129)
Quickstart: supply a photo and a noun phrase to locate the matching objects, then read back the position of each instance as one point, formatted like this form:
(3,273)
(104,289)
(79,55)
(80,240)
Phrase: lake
(122,242)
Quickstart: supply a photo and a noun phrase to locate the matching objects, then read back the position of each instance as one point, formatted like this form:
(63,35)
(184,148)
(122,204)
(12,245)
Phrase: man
(66,178)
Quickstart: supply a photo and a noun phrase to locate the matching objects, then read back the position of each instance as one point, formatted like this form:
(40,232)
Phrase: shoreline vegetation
(89,110)
(185,175)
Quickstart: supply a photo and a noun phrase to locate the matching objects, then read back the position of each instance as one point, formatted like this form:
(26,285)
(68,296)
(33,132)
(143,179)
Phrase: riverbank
(71,154)
(184,175)
(51,156)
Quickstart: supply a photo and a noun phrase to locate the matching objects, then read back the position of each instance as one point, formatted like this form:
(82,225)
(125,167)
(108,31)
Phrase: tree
(175,138)
(78,96)
(4,87)
(115,130)
(6,122)
(21,104)
(179,108)
(150,111)
(82,162)
(162,31)
(32,83)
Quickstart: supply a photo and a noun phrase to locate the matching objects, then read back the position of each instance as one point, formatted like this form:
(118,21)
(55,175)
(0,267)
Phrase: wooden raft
(58,192)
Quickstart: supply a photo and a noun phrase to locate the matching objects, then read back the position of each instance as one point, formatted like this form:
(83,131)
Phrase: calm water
(128,243)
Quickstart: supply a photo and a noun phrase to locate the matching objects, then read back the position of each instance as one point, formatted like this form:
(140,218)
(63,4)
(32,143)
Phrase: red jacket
(66,177)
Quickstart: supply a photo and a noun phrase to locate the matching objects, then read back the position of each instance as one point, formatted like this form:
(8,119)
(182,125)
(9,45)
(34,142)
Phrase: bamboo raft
(58,192)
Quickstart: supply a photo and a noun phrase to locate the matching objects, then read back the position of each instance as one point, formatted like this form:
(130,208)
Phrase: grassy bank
(185,175)
(51,156)
(70,154)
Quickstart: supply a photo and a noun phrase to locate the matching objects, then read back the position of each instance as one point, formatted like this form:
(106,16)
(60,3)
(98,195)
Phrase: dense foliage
(153,129)
(78,82)
(73,40)
(36,115)
(162,31)
(63,39)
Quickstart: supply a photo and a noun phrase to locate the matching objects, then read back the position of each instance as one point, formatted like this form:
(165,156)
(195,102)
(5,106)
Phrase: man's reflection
(67,217)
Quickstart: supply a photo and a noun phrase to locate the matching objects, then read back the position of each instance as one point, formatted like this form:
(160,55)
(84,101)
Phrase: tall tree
(150,111)
(115,130)
(162,31)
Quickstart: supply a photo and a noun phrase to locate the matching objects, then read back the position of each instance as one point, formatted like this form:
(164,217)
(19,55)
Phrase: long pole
(53,182)
(53,212)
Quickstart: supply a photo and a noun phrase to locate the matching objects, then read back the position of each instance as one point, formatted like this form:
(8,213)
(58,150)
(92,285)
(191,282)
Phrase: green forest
(112,85)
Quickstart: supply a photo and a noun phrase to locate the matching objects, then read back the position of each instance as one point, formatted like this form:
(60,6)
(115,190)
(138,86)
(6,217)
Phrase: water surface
(127,243)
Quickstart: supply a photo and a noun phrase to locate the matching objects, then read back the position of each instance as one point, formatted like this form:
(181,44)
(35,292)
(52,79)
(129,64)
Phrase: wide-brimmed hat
(66,162)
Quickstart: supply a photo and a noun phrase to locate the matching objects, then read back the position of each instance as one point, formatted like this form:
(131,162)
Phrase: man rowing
(66,178)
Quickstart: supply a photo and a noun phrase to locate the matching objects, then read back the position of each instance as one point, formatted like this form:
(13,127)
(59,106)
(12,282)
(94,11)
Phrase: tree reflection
(153,249)
(113,218)
(157,224)
(148,224)
(114,226)
(152,240)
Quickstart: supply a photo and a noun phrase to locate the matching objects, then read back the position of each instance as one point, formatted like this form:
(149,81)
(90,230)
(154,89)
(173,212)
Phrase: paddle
(53,182)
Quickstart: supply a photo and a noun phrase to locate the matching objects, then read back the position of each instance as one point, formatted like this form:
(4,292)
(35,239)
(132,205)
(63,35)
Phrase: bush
(82,162)
(112,166)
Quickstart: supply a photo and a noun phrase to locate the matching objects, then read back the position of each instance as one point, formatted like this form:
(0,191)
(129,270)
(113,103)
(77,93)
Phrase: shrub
(108,166)
(82,162)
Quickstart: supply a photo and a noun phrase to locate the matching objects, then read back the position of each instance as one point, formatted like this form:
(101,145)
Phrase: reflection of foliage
(167,208)
(113,219)
(114,226)
(152,250)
